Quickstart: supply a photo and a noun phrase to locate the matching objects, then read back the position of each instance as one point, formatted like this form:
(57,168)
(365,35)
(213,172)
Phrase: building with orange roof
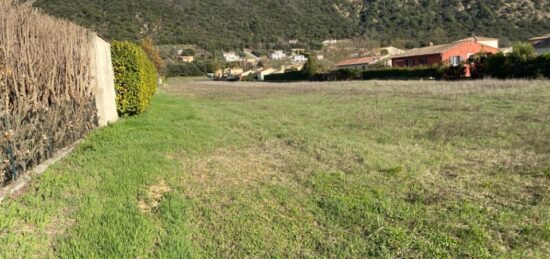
(362,63)
(452,53)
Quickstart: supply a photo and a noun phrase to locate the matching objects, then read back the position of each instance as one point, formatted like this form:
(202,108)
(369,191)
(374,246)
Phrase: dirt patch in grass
(232,168)
(153,197)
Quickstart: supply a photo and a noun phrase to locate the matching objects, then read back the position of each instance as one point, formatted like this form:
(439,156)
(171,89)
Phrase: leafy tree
(269,24)
(523,51)
(188,52)
(311,67)
(153,55)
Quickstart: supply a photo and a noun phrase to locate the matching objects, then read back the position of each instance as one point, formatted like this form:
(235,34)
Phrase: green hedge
(186,69)
(435,72)
(503,66)
(542,64)
(286,77)
(135,78)
(413,73)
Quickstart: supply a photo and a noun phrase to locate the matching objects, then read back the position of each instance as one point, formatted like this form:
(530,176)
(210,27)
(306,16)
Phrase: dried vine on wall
(46,100)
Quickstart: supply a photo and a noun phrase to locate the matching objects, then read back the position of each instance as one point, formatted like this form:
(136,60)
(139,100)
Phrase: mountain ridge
(225,24)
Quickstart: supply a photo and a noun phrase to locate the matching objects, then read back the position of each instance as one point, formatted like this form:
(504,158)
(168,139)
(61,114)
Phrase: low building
(234,71)
(231,57)
(245,74)
(251,58)
(187,59)
(362,63)
(277,55)
(298,58)
(541,44)
(452,53)
(264,72)
(228,72)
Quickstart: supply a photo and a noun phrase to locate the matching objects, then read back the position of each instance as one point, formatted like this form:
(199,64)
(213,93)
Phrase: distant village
(249,64)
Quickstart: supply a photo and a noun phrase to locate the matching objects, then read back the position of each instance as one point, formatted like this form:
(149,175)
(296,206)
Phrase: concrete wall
(104,80)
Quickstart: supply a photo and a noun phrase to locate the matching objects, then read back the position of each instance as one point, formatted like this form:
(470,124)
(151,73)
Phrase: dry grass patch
(257,90)
(233,168)
(153,197)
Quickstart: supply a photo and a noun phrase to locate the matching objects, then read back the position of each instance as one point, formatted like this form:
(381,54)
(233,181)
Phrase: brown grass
(233,168)
(155,194)
(248,90)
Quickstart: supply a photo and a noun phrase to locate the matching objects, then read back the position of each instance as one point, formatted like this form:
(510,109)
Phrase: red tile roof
(543,43)
(438,49)
(540,37)
(358,61)
(430,50)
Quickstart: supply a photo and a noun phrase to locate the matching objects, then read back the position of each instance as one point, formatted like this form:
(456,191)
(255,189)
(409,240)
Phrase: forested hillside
(215,24)
(210,23)
(418,22)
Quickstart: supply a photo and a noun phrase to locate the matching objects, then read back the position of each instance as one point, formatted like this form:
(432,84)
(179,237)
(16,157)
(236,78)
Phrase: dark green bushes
(286,77)
(413,73)
(522,63)
(436,72)
(453,72)
(542,63)
(340,75)
(186,69)
(135,78)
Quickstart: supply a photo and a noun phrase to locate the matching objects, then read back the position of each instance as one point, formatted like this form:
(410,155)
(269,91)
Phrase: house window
(410,62)
(455,60)
(423,61)
(364,67)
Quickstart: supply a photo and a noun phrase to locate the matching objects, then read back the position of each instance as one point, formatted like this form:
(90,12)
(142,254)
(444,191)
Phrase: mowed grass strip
(348,169)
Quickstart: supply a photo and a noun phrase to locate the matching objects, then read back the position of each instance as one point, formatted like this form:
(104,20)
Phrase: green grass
(350,169)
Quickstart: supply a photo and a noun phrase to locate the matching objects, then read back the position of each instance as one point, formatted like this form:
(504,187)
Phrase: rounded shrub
(135,78)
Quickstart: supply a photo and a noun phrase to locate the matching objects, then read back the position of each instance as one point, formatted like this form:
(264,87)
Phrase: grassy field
(348,169)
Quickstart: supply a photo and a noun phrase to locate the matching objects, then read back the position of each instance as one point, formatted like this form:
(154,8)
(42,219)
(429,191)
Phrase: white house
(231,57)
(293,41)
(264,72)
(277,55)
(329,42)
(299,58)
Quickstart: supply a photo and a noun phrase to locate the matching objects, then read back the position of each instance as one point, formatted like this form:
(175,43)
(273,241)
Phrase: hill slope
(268,23)
(209,23)
(414,22)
